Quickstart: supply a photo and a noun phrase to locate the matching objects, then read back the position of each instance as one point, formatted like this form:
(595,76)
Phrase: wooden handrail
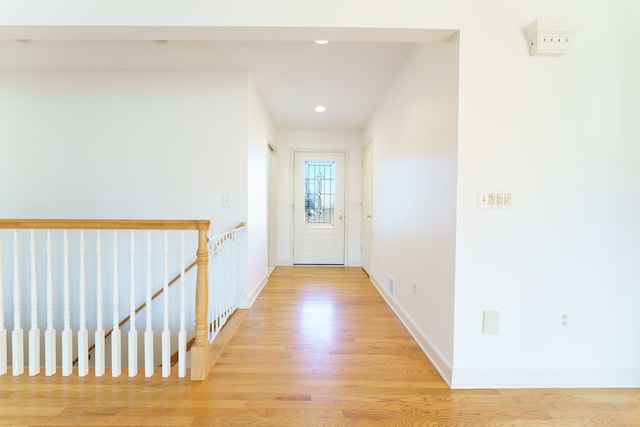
(225,235)
(105,224)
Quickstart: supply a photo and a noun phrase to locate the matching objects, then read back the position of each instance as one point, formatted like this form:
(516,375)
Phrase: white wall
(146,144)
(260,132)
(562,134)
(123,144)
(287,142)
(414,132)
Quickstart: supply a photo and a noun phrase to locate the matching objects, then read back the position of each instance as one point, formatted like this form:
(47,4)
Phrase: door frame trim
(364,148)
(292,193)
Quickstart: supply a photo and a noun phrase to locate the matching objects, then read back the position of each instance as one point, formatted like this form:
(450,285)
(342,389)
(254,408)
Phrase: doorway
(319,216)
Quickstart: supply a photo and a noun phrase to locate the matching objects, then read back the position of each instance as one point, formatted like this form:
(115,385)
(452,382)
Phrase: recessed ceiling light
(321,41)
(320,109)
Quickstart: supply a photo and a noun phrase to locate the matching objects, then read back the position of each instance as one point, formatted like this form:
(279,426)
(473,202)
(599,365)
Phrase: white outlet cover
(490,322)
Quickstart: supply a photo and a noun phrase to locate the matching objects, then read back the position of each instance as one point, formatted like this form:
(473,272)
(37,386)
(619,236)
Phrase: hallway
(319,347)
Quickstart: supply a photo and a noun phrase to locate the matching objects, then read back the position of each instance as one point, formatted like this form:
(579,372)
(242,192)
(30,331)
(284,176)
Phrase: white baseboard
(248,300)
(442,365)
(512,378)
(546,378)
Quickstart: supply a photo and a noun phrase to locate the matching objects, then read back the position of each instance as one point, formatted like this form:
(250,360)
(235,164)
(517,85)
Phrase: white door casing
(367,206)
(271,209)
(319,214)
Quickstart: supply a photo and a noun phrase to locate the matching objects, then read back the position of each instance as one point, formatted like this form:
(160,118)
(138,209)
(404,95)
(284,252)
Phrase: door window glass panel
(320,191)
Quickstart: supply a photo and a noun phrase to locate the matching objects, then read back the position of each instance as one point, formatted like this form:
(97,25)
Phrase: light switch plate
(226,201)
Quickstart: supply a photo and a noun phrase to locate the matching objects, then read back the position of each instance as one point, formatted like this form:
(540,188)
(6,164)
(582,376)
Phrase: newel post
(200,348)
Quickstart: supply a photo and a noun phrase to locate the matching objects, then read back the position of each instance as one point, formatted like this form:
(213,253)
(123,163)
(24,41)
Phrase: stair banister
(200,350)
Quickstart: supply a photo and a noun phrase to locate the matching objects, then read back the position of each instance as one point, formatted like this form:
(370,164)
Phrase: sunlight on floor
(317,319)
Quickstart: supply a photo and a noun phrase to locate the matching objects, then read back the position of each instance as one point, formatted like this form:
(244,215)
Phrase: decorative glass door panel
(320,192)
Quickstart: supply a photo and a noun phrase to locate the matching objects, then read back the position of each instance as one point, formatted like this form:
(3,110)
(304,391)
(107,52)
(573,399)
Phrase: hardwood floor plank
(19,411)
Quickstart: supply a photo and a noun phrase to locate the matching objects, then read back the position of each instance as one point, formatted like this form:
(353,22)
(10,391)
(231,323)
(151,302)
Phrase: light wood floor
(319,347)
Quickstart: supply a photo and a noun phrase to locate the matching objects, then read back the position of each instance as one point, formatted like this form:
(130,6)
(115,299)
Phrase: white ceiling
(346,77)
(292,74)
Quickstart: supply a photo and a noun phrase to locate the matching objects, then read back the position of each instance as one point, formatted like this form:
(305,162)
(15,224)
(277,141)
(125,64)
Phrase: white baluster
(166,334)
(242,262)
(50,334)
(216,284)
(226,281)
(234,272)
(239,238)
(229,284)
(231,266)
(212,290)
(67,333)
(83,334)
(34,333)
(238,243)
(215,262)
(211,330)
(218,271)
(116,355)
(17,340)
(133,333)
(224,260)
(99,334)
(148,333)
(3,331)
(182,335)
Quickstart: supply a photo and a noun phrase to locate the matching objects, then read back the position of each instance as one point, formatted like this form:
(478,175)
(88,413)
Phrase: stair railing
(59,274)
(226,277)
(138,309)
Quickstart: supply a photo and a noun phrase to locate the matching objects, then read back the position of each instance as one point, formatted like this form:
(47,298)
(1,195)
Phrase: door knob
(368,216)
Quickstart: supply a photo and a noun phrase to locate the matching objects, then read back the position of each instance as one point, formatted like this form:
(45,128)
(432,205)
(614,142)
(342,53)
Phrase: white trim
(272,204)
(511,378)
(248,300)
(546,378)
(439,361)
(362,213)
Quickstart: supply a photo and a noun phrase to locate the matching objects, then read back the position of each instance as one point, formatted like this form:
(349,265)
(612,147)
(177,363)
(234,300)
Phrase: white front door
(319,216)
(367,206)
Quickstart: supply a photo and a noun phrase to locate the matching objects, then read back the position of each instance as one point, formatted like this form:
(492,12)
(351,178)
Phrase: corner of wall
(439,361)
(248,300)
